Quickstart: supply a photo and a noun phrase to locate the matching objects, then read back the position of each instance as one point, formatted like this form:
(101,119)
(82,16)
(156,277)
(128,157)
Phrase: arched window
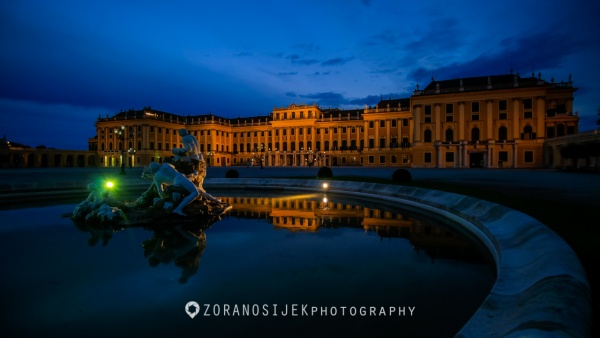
(560,130)
(248,148)
(301,145)
(449,135)
(110,146)
(235,148)
(276,146)
(335,145)
(344,144)
(102,146)
(284,146)
(502,133)
(326,145)
(475,134)
(241,147)
(139,146)
(309,145)
(293,146)
(318,146)
(427,136)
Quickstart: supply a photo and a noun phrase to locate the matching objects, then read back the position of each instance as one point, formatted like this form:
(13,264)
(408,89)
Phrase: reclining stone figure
(166,175)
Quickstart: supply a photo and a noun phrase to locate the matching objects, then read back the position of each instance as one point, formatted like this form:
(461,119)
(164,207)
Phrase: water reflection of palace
(309,213)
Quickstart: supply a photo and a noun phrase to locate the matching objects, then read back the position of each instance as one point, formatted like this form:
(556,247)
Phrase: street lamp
(131,152)
(120,133)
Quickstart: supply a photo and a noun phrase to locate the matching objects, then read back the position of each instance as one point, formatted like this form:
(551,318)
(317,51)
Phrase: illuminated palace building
(489,121)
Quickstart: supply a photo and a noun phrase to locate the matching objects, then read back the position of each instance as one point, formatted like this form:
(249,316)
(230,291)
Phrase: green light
(110,184)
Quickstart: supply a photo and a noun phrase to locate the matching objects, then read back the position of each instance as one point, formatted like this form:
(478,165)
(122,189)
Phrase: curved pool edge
(541,287)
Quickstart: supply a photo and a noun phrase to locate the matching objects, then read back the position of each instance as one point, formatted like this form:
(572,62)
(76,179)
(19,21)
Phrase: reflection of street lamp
(132,154)
(120,132)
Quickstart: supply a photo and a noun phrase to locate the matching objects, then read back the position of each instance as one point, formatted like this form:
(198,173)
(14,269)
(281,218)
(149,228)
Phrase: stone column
(437,122)
(489,119)
(516,118)
(416,123)
(540,115)
(461,121)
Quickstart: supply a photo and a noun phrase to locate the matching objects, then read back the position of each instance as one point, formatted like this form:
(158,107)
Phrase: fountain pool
(369,269)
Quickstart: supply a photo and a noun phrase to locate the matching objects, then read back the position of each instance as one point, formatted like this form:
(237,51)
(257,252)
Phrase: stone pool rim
(541,288)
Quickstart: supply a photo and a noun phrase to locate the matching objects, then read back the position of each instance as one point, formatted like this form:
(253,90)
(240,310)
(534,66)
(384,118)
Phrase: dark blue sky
(64,63)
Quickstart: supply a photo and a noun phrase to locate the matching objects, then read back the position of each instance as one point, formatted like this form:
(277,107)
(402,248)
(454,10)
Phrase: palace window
(449,108)
(404,159)
(371,125)
(427,158)
(527,114)
(502,116)
(527,104)
(382,124)
(427,119)
(475,117)
(449,118)
(428,110)
(449,135)
(393,159)
(371,143)
(450,156)
(528,158)
(503,156)
(405,123)
(474,107)
(528,133)
(427,136)
(475,134)
(502,133)
(502,105)
(382,159)
(371,159)
(394,123)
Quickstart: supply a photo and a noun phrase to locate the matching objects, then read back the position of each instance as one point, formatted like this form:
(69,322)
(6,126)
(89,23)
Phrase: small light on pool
(325,185)
(110,184)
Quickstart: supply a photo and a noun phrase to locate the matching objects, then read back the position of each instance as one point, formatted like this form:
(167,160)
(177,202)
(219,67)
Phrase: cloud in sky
(77,59)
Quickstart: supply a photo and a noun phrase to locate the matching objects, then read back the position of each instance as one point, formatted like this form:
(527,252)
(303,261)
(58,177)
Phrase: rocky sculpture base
(101,209)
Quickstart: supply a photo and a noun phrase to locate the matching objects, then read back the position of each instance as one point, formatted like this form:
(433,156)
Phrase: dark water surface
(347,267)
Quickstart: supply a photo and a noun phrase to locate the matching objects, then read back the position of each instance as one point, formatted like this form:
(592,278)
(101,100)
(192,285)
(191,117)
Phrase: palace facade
(497,121)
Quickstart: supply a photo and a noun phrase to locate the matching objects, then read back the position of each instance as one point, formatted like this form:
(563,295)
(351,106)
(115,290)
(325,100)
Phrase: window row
(527,134)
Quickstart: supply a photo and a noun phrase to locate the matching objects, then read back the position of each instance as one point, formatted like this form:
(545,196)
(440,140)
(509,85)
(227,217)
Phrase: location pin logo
(192,309)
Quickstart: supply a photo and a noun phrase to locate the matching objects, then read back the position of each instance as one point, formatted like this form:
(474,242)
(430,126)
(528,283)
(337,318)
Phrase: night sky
(64,63)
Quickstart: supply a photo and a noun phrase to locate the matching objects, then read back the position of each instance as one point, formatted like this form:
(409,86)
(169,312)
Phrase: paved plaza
(580,187)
